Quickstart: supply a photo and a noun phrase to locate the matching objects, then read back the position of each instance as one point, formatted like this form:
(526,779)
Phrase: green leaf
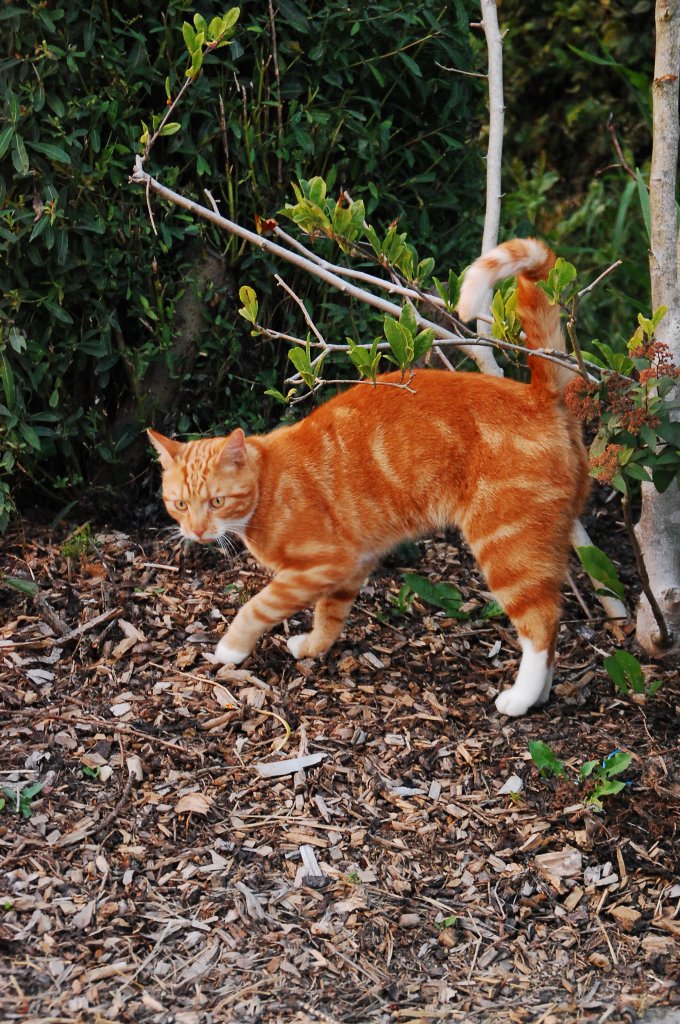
(598,565)
(55,153)
(400,341)
(637,472)
(643,193)
(303,364)
(373,238)
(189,36)
(586,769)
(7,378)
(492,610)
(545,759)
(38,228)
(20,156)
(29,587)
(6,136)
(616,762)
(196,64)
(625,672)
(230,19)
(407,319)
(422,342)
(441,595)
(171,128)
(250,307)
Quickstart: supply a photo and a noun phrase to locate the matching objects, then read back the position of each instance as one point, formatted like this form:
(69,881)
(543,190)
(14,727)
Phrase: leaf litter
(360,839)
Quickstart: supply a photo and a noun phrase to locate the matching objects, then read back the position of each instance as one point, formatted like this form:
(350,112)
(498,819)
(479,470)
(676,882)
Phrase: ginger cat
(320,502)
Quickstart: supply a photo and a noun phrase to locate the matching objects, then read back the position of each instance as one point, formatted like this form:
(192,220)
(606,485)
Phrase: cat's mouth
(200,538)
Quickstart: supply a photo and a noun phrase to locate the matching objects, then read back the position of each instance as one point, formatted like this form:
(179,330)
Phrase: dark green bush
(103,325)
(570,66)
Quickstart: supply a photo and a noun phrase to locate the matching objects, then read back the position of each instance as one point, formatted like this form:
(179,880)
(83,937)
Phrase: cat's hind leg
(330,615)
(535,611)
(524,562)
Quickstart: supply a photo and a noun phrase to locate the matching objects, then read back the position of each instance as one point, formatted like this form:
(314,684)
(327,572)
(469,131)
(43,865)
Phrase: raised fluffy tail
(530,260)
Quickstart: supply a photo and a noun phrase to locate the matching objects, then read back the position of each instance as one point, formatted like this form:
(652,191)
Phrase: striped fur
(320,502)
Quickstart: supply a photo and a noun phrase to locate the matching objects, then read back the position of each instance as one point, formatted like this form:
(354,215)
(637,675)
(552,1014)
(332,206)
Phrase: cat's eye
(181,506)
(217,502)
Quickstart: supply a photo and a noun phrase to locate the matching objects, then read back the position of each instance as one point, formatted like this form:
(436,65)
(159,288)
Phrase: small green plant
(600,772)
(546,760)
(603,774)
(626,673)
(638,438)
(353,877)
(91,773)
(448,922)
(21,802)
(440,595)
(78,544)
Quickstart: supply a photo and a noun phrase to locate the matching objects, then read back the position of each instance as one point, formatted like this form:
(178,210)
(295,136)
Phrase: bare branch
(296,298)
(593,284)
(392,287)
(459,71)
(140,176)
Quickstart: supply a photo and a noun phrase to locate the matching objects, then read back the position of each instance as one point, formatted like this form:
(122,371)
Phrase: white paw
(296,644)
(229,655)
(512,703)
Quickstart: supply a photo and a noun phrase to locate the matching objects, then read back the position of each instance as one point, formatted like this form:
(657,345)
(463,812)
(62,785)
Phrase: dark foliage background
(105,327)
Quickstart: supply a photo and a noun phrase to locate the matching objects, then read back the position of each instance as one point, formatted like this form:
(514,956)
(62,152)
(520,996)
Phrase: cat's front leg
(288,593)
(330,615)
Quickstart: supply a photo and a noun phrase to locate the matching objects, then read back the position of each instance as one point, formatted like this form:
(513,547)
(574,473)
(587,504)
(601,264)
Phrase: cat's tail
(529,260)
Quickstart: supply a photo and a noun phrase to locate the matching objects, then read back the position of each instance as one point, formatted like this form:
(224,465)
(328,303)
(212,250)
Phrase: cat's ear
(234,452)
(167,449)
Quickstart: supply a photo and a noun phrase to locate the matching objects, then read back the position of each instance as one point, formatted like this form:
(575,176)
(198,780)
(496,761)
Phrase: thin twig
(321,383)
(148,206)
(459,71)
(593,284)
(152,139)
(577,594)
(571,331)
(623,163)
(296,298)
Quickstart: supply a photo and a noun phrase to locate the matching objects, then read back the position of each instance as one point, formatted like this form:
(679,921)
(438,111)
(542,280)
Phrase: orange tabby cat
(321,501)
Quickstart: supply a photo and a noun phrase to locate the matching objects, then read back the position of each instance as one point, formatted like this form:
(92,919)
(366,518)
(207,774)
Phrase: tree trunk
(658,530)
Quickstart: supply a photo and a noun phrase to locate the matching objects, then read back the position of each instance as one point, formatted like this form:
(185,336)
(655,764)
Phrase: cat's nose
(199,533)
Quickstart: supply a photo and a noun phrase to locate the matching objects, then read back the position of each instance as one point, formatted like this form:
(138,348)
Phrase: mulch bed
(160,875)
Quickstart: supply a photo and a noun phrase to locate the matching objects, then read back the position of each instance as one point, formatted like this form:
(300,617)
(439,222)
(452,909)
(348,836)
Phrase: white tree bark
(494,153)
(658,530)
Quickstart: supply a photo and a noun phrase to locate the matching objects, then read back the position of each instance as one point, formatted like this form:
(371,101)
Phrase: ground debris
(358,840)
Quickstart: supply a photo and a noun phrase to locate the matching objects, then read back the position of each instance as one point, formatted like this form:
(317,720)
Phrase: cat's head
(209,486)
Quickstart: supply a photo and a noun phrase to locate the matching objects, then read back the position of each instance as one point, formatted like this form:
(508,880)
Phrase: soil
(152,871)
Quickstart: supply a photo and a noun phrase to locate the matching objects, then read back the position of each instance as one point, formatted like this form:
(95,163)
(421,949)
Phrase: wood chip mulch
(327,842)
